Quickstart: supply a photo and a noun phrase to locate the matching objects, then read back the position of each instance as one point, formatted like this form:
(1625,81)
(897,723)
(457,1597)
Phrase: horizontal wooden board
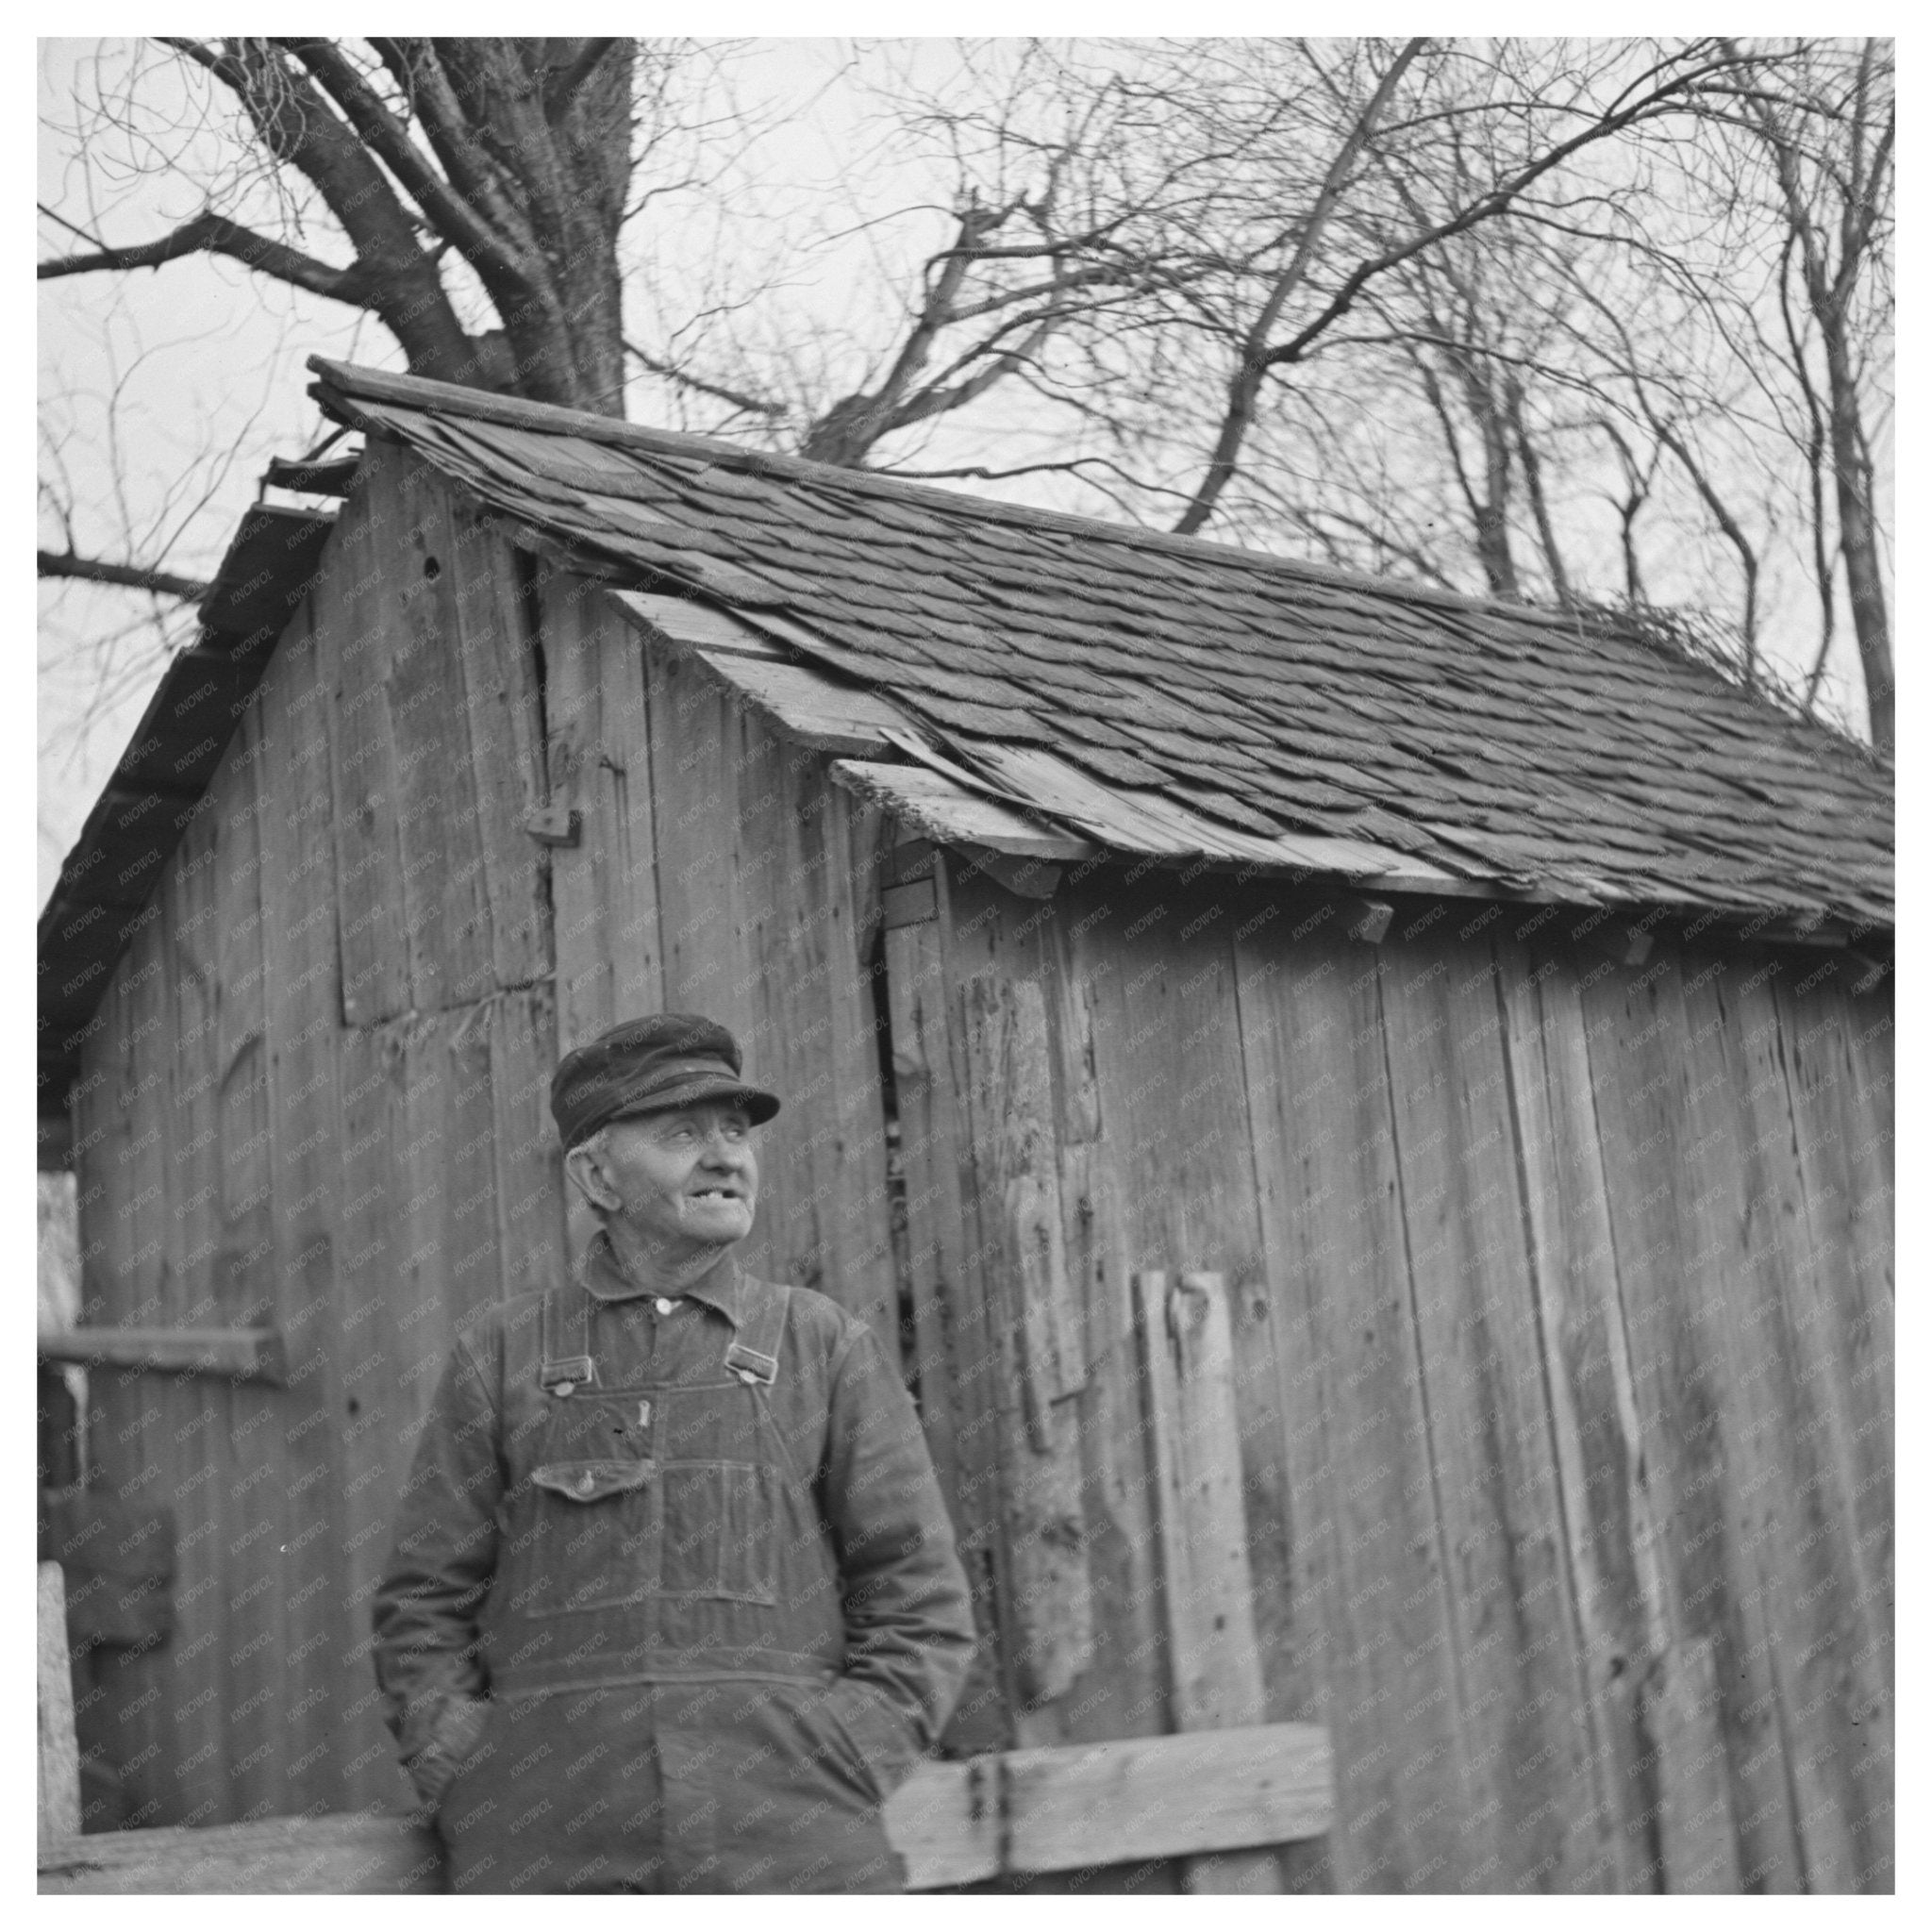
(351,1853)
(945,1822)
(1050,1809)
(1068,1806)
(249,1355)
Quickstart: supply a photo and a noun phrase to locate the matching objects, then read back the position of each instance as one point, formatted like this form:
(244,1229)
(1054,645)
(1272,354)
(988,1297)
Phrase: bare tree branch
(1828,294)
(703,386)
(1255,356)
(127,575)
(211,234)
(296,127)
(453,217)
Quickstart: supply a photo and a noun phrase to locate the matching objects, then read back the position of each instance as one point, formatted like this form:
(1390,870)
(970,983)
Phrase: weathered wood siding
(318,1096)
(315,1105)
(1561,1296)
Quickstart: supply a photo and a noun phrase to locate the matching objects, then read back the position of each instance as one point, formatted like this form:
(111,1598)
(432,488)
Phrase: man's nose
(721,1146)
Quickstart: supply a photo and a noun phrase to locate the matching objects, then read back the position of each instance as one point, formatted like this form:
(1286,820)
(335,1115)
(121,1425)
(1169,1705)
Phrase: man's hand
(454,1733)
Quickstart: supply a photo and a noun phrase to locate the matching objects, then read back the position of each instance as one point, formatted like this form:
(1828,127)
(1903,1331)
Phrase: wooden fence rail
(1013,1813)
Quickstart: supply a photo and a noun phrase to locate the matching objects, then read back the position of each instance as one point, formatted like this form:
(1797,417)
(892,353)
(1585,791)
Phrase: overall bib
(663,1633)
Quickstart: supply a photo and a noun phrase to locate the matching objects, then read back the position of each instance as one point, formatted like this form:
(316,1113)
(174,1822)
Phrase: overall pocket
(593,1498)
(724,1508)
(721,1531)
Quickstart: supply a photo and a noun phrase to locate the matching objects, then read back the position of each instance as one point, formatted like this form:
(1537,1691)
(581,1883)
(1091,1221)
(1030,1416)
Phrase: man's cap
(644,1066)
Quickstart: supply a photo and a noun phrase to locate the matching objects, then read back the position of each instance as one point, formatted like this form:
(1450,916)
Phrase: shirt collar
(602,1274)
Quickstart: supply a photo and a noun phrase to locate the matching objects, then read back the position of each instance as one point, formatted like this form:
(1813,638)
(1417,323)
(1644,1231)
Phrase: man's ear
(585,1168)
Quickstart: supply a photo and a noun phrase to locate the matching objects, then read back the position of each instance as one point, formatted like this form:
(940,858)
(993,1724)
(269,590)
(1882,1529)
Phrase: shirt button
(665,1304)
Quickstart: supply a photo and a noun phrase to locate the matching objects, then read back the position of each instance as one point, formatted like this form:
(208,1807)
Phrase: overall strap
(561,1373)
(754,1355)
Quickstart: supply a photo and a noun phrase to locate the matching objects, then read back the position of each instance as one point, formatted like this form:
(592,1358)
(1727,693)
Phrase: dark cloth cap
(644,1066)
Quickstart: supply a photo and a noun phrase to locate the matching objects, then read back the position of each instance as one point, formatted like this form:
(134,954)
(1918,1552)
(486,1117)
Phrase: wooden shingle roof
(1054,685)
(1169,696)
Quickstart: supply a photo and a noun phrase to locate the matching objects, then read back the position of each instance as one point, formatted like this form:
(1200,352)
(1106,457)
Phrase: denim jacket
(608,1493)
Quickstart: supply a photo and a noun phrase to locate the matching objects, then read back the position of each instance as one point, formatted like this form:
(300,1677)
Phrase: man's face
(687,1177)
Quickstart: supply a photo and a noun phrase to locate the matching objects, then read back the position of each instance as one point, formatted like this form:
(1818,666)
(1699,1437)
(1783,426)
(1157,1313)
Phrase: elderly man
(673,1603)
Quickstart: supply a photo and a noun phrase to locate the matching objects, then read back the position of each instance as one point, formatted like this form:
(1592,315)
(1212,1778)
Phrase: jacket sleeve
(909,1621)
(428,1663)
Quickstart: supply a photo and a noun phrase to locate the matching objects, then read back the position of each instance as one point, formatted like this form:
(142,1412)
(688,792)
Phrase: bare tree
(1417,307)
(1594,343)
(1552,126)
(511,156)
(1825,125)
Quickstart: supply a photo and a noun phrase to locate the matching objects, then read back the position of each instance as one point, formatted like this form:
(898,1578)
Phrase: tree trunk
(1858,536)
(552,119)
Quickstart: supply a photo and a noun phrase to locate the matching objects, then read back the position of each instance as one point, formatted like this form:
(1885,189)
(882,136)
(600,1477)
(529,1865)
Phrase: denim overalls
(674,1589)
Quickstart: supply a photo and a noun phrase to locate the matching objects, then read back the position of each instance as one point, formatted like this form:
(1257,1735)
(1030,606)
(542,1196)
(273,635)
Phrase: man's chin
(722,1222)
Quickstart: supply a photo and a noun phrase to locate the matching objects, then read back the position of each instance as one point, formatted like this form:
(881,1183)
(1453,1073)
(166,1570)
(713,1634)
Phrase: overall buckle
(572,1371)
(749,1365)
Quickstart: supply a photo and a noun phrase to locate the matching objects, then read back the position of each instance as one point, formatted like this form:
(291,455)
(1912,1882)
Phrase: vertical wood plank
(1179,1140)
(1492,1467)
(449,1269)
(1844,1318)
(1367,1545)
(695,775)
(437,768)
(998,1046)
(1124,1694)
(119,1711)
(246,1295)
(373,1315)
(1208,1587)
(1663,1233)
(303,1006)
(1010,1108)
(59,1764)
(495,661)
(143,1471)
(1698,1840)
(952,1352)
(1609,1515)
(571,628)
(1787,1440)
(529,1184)
(621,822)
(1869,1047)
(810,904)
(928,1138)
(1734,1192)
(192,1413)
(1697,1824)
(355,627)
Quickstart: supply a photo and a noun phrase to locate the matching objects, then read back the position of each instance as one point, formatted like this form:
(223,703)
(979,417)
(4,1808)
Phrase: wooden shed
(1441,1053)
